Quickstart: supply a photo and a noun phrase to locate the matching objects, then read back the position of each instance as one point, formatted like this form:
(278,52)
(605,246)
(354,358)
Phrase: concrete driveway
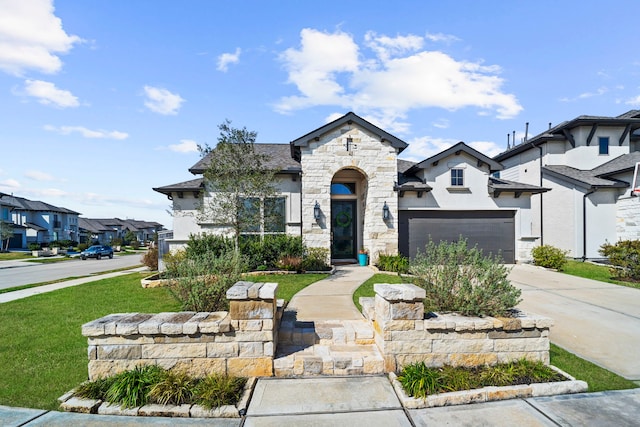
(597,321)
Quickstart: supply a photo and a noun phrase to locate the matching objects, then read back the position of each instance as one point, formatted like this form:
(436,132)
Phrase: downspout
(539,147)
(584,222)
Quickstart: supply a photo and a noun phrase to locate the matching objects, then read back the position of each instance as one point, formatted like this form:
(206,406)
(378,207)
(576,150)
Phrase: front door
(343,229)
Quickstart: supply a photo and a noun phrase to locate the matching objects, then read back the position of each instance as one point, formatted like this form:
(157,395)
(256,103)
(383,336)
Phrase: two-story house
(342,187)
(588,162)
(39,222)
(105,230)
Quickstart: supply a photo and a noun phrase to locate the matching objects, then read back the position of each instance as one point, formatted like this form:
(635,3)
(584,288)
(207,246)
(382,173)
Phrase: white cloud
(10,183)
(39,175)
(441,124)
(441,38)
(228,58)
(32,37)
(329,69)
(600,91)
(635,101)
(88,133)
(48,94)
(185,146)
(424,147)
(161,101)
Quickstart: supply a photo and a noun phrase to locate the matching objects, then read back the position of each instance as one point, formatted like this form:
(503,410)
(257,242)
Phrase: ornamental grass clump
(201,282)
(460,279)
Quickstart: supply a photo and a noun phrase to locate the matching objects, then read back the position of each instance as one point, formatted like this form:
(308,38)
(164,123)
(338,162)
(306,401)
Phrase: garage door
(492,231)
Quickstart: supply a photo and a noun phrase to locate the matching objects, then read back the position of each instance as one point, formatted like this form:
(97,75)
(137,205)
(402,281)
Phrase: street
(26,273)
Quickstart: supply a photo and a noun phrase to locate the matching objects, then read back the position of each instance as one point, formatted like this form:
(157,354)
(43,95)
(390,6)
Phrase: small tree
(237,182)
(6,232)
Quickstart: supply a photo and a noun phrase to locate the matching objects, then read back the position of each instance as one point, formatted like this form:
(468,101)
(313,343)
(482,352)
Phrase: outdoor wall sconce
(385,212)
(316,211)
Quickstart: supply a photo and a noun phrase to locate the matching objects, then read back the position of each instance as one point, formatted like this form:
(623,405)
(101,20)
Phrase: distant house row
(39,222)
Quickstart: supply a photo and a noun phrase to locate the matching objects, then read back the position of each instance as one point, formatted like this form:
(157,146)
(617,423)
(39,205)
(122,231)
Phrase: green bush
(172,261)
(315,259)
(549,257)
(34,246)
(461,279)
(150,259)
(270,250)
(202,244)
(82,246)
(625,255)
(396,263)
(173,388)
(201,283)
(290,263)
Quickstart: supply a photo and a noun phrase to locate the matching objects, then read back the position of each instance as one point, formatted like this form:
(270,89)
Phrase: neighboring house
(38,222)
(342,187)
(588,162)
(105,230)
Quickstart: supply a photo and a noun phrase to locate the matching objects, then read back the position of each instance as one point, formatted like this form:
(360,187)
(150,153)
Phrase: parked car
(97,252)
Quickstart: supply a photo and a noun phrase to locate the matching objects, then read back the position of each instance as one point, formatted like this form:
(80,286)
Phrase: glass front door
(343,229)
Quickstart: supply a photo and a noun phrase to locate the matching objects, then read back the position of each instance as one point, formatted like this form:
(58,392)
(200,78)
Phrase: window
(343,188)
(457,177)
(260,216)
(603,144)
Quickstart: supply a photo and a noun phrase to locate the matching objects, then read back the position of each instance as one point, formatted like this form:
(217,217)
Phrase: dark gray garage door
(492,231)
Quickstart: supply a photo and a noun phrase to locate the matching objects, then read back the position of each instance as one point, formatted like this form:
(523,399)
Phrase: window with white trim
(457,177)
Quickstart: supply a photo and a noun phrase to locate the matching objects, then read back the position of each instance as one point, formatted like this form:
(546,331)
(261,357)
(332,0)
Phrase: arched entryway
(348,196)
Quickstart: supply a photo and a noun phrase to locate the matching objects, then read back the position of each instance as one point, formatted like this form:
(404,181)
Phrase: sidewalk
(369,402)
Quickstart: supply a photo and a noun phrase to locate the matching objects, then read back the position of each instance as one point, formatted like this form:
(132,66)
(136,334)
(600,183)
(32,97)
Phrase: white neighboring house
(588,162)
(39,222)
(342,187)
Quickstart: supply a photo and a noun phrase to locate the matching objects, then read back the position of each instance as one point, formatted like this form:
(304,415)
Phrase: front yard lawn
(595,272)
(42,349)
(12,256)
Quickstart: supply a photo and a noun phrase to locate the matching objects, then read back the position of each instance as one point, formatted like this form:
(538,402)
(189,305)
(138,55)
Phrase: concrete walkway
(331,298)
(369,402)
(597,321)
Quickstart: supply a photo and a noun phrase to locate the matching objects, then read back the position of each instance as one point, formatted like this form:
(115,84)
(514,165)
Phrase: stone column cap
(399,292)
(243,290)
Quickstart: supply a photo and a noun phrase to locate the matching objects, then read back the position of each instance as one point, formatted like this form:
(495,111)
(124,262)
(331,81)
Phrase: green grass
(51,260)
(288,284)
(42,349)
(594,272)
(599,379)
(13,256)
(366,289)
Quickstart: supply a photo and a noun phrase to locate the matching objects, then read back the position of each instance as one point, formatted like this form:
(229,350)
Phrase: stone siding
(627,220)
(239,342)
(377,162)
(405,335)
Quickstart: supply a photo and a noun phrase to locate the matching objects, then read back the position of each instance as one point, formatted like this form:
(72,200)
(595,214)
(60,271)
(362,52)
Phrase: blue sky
(103,100)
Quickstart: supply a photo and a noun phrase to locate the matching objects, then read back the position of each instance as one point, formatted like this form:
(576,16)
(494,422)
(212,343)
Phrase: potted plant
(363,257)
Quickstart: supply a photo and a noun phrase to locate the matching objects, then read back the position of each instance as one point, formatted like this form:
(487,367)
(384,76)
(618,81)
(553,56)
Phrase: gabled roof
(460,147)
(33,226)
(349,118)
(583,178)
(278,158)
(561,132)
(499,185)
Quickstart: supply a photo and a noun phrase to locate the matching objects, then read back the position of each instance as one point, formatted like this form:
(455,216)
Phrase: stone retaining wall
(405,335)
(239,342)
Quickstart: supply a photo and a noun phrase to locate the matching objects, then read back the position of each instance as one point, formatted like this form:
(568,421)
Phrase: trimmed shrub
(315,259)
(202,244)
(549,257)
(270,250)
(34,246)
(150,259)
(395,263)
(625,255)
(461,279)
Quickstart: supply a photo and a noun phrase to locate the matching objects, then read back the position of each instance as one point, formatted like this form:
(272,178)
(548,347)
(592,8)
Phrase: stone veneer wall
(405,335)
(377,161)
(627,221)
(239,342)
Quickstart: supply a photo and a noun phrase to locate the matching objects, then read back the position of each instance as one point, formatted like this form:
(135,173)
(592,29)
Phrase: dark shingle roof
(585,178)
(456,149)
(405,165)
(191,185)
(35,205)
(499,185)
(279,158)
(624,163)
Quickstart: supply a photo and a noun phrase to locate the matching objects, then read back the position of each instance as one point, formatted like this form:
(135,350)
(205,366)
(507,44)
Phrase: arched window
(343,188)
